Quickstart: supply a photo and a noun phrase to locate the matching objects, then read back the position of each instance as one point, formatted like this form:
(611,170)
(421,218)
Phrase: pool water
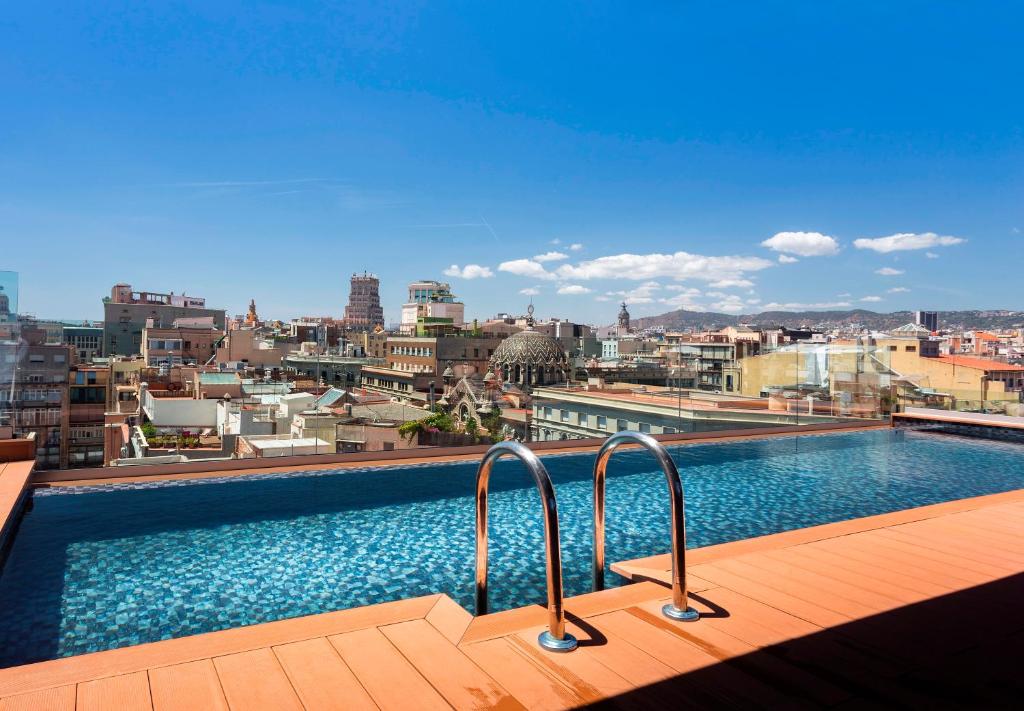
(108,566)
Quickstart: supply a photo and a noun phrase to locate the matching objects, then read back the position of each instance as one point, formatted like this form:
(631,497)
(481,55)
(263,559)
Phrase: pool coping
(439,610)
(14,490)
(426,455)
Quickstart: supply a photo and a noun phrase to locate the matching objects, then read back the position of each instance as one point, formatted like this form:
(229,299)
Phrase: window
(911,349)
(602,422)
(893,348)
(645,428)
(564,414)
(669,430)
(547,412)
(621,425)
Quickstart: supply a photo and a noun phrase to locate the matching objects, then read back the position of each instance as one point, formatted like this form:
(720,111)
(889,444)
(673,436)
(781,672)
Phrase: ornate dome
(529,347)
(530,357)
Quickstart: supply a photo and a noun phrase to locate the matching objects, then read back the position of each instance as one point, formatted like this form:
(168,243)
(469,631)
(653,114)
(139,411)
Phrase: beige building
(249,346)
(179,345)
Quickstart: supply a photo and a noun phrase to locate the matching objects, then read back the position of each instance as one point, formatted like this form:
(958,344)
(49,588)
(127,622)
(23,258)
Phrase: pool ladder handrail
(679,608)
(555,639)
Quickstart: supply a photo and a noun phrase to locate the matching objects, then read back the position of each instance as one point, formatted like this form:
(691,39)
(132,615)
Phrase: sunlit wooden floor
(917,608)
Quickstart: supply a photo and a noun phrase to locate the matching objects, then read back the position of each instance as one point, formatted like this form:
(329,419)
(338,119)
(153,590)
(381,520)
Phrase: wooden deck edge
(14,485)
(645,568)
(429,455)
(952,418)
(500,624)
(125,660)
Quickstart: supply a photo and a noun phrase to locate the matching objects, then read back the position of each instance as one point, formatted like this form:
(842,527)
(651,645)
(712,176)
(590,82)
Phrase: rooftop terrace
(882,610)
(918,607)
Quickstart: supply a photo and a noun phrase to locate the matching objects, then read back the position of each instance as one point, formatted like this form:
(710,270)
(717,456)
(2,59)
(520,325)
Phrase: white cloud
(732,283)
(643,294)
(573,289)
(470,271)
(679,266)
(786,259)
(729,303)
(899,290)
(796,306)
(753,301)
(871,298)
(550,257)
(526,268)
(889,271)
(844,295)
(906,241)
(684,298)
(602,298)
(931,255)
(805,244)
(556,241)
(575,246)
(529,291)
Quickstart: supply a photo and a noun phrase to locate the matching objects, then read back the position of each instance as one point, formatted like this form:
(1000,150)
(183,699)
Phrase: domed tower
(530,358)
(623,319)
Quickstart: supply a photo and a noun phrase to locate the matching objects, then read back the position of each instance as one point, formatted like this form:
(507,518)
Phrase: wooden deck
(917,608)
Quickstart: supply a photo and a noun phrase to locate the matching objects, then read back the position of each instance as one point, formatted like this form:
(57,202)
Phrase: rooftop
(979,363)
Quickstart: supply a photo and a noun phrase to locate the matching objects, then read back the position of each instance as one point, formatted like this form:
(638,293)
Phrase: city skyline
(873,165)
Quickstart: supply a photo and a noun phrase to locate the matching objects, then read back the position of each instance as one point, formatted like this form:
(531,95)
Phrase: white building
(431,300)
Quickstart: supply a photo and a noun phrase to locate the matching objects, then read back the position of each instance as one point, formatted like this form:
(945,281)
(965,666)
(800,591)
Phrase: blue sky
(268,150)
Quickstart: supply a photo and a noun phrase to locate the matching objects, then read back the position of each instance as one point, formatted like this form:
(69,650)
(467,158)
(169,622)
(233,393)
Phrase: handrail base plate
(674,613)
(567,644)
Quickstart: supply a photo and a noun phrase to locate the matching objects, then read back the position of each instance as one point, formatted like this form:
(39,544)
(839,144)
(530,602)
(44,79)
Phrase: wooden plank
(630,662)
(193,685)
(69,670)
(450,619)
(579,670)
(815,665)
(59,698)
(701,677)
(596,603)
(912,550)
(888,594)
(774,541)
(873,551)
(895,573)
(462,683)
(530,684)
(387,676)
(967,541)
(500,624)
(796,606)
(320,678)
(849,599)
(784,581)
(255,680)
(128,692)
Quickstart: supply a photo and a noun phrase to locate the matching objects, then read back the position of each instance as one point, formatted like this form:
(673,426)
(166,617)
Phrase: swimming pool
(94,568)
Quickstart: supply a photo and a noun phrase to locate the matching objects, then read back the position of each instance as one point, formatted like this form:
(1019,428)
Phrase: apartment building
(34,395)
(126,313)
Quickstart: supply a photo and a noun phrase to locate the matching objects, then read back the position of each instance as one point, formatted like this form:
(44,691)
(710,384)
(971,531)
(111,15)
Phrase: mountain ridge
(873,320)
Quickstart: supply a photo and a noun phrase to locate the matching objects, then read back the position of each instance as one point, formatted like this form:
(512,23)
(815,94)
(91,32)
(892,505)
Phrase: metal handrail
(679,608)
(555,638)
